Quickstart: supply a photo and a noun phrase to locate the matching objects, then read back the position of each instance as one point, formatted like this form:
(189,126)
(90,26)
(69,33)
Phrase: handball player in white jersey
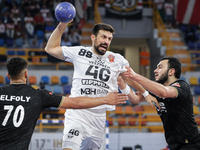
(95,74)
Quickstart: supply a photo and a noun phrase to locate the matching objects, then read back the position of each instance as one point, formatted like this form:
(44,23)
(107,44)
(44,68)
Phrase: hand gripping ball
(65,12)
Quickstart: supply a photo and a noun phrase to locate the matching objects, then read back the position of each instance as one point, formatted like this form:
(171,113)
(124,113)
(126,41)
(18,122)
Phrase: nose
(107,41)
(155,70)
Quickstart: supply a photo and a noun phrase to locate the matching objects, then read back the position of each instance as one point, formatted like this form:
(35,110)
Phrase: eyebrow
(159,65)
(106,35)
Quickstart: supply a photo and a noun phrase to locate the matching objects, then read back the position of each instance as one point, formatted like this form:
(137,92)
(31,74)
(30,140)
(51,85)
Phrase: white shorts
(84,130)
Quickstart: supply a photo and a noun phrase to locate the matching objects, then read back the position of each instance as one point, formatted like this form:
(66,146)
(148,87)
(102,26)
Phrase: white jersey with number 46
(94,75)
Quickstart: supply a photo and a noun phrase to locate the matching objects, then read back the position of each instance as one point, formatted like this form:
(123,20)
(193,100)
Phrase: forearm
(55,38)
(135,85)
(133,98)
(82,102)
(151,86)
(53,45)
(112,98)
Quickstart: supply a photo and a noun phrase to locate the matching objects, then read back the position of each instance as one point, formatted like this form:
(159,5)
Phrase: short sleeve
(50,99)
(182,88)
(123,61)
(70,52)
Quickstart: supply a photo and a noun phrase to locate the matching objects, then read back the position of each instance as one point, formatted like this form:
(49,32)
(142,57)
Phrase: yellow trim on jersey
(61,102)
(177,92)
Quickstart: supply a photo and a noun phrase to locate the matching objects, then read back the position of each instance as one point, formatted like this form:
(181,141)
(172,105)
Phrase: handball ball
(65,12)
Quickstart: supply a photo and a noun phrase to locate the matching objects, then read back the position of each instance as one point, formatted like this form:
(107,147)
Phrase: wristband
(126,90)
(145,94)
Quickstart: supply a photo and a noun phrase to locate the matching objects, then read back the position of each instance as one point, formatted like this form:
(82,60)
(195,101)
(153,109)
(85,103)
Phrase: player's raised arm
(112,98)
(53,44)
(64,12)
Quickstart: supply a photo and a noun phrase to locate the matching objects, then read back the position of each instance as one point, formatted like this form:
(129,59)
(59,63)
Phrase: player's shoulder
(116,57)
(76,47)
(180,83)
(30,88)
(14,87)
(8,87)
(114,54)
(41,93)
(3,87)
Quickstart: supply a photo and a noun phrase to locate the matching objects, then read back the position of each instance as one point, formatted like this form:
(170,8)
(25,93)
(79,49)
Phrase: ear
(171,72)
(8,76)
(26,74)
(92,37)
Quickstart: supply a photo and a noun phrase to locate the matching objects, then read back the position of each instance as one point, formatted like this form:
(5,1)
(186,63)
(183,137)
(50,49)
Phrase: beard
(99,51)
(163,78)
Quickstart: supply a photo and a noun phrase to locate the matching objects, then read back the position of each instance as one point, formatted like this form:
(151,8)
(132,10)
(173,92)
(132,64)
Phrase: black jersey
(20,107)
(178,117)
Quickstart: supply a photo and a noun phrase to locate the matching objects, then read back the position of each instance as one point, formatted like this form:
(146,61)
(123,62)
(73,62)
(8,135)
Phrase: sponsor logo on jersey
(176,84)
(93,91)
(111,58)
(14,98)
(163,108)
(94,83)
(72,133)
(70,136)
(99,63)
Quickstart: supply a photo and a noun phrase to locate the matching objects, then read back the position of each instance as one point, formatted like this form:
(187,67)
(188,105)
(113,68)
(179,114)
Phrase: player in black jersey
(21,105)
(176,102)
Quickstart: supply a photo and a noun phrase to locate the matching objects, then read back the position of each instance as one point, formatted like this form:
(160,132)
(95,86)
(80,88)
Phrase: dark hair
(15,66)
(102,26)
(174,63)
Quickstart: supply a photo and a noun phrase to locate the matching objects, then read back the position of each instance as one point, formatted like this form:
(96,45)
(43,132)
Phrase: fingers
(157,104)
(152,105)
(121,99)
(122,96)
(127,67)
(70,21)
(121,102)
(122,70)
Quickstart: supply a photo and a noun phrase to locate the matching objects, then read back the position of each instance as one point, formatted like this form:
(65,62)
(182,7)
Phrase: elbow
(46,49)
(135,100)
